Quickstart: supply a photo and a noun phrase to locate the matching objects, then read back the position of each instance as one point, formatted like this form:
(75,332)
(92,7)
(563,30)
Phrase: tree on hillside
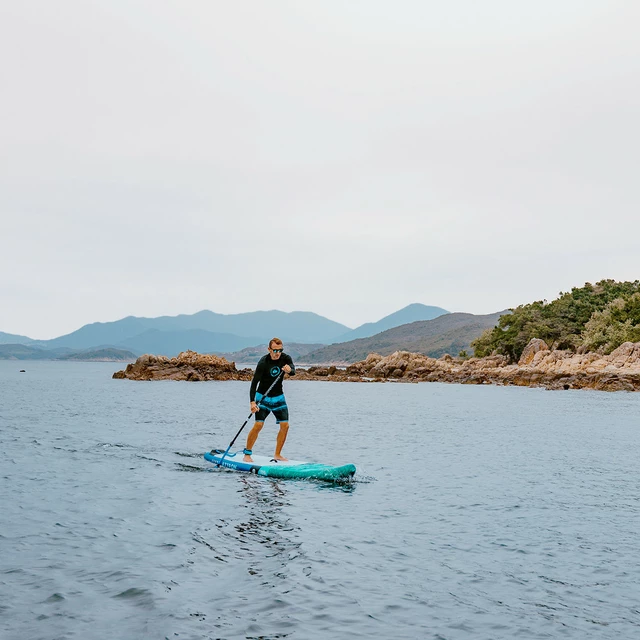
(562,322)
(618,322)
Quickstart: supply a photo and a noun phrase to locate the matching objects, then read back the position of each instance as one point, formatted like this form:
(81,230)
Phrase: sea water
(476,512)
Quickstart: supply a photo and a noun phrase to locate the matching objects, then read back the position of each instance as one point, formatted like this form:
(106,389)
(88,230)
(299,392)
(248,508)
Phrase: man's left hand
(286,368)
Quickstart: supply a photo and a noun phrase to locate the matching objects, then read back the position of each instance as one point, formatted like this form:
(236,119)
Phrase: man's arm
(293,367)
(256,379)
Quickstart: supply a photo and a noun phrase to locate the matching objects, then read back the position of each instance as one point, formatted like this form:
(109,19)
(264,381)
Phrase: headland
(538,366)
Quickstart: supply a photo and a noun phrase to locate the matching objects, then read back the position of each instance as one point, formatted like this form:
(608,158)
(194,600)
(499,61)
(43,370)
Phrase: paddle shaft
(247,420)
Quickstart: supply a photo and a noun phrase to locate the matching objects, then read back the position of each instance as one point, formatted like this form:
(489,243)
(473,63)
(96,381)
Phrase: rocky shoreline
(538,366)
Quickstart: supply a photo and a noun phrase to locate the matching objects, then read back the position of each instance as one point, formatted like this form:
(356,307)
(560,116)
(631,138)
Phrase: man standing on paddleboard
(269,370)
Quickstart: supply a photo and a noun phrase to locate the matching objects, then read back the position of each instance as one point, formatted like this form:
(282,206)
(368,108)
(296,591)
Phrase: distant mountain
(29,352)
(450,333)
(252,354)
(412,313)
(296,326)
(23,352)
(101,355)
(98,334)
(209,332)
(171,343)
(26,352)
(12,338)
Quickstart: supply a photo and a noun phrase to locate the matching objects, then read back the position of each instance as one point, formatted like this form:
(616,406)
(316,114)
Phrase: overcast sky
(344,157)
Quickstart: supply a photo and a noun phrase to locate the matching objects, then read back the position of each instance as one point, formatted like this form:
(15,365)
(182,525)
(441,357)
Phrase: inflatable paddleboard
(266,466)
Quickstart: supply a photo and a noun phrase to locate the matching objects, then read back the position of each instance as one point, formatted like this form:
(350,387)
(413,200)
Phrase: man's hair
(274,341)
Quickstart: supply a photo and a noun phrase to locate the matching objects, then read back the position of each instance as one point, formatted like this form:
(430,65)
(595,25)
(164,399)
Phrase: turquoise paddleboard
(266,466)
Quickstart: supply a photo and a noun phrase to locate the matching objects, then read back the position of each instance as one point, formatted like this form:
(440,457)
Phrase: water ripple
(493,513)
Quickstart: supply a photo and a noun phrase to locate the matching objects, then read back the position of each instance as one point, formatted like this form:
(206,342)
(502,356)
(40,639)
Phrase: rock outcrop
(188,365)
(539,366)
(535,346)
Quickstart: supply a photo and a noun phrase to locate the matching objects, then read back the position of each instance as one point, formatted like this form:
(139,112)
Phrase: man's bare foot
(247,459)
(281,458)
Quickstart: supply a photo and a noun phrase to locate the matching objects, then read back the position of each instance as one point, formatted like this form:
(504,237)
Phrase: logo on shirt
(275,371)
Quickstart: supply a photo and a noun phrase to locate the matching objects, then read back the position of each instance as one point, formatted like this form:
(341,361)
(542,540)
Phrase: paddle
(247,420)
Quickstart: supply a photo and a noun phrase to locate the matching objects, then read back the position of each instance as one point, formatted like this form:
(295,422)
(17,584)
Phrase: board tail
(317,471)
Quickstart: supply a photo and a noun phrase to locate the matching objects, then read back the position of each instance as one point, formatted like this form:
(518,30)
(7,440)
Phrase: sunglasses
(277,350)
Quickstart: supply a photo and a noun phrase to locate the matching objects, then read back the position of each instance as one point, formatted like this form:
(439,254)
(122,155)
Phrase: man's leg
(280,440)
(251,439)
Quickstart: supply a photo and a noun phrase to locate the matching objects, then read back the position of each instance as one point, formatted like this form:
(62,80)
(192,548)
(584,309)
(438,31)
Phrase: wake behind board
(266,466)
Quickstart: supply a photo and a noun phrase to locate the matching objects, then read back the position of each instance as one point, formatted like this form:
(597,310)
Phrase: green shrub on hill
(598,317)
(618,322)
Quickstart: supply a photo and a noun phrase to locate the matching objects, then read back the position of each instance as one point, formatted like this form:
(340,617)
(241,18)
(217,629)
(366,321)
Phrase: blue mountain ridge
(412,313)
(12,338)
(228,332)
(210,332)
(171,343)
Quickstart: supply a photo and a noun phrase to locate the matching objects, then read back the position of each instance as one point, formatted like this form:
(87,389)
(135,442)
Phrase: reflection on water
(262,532)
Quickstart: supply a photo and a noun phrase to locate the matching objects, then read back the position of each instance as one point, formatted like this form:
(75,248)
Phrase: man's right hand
(254,407)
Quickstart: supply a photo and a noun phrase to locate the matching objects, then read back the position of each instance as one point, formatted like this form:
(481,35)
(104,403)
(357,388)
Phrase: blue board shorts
(276,405)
